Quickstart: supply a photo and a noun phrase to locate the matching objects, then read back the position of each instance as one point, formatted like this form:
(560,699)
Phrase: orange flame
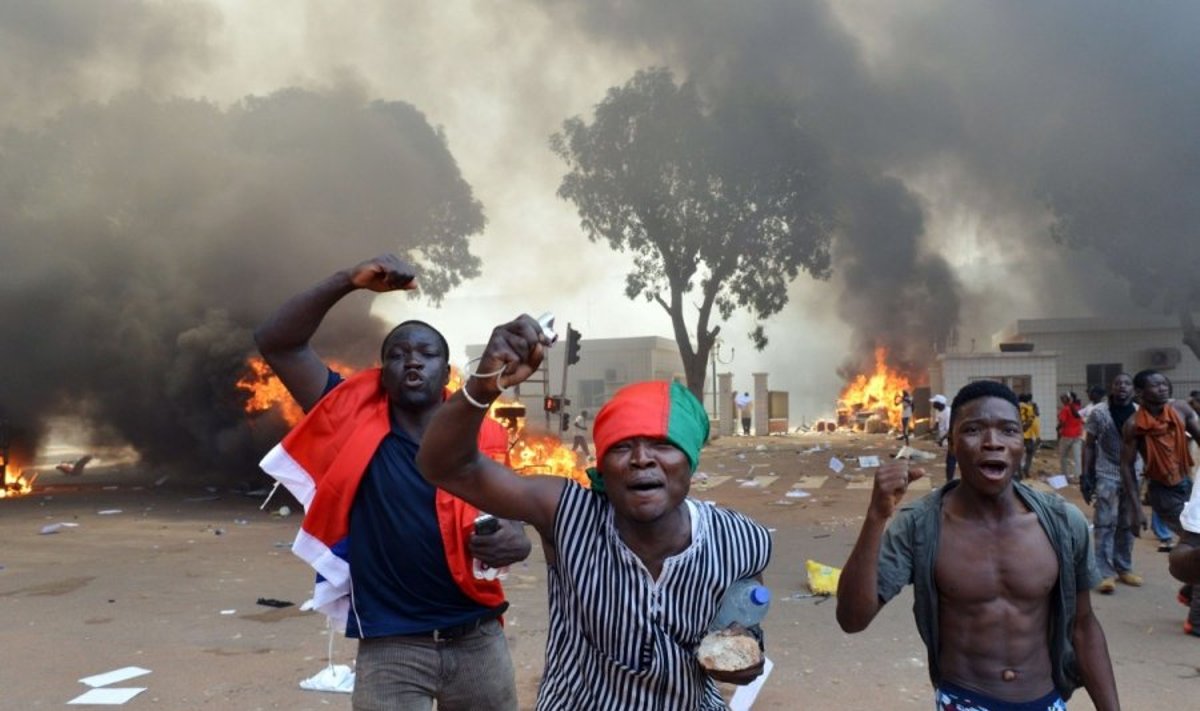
(531,453)
(268,392)
(15,483)
(879,391)
(543,454)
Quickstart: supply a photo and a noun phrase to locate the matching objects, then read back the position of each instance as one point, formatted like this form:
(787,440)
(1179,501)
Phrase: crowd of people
(395,473)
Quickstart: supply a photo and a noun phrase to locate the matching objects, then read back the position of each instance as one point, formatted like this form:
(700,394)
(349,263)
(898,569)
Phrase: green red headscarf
(658,409)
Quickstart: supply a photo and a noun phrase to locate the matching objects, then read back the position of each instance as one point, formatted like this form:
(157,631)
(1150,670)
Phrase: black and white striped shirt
(619,639)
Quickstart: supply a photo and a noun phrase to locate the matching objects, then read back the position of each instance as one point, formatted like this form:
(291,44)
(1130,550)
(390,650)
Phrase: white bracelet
(482,376)
(473,401)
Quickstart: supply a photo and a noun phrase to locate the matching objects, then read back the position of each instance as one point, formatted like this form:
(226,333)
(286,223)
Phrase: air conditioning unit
(1162,358)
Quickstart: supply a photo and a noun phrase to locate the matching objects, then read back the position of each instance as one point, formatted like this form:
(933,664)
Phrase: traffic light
(550,404)
(572,345)
(566,421)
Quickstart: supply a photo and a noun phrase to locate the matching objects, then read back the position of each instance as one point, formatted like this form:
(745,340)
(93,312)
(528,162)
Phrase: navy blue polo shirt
(400,581)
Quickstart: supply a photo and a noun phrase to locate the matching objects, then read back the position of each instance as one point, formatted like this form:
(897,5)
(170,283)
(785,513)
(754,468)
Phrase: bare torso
(994,578)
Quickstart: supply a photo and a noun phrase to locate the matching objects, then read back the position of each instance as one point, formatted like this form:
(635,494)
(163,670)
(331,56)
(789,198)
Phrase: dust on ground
(166,575)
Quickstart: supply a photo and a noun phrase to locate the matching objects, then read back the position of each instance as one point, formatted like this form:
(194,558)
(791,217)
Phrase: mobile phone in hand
(486,524)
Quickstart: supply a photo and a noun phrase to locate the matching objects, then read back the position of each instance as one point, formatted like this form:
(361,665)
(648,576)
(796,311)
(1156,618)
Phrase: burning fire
(877,392)
(15,483)
(528,453)
(533,454)
(267,390)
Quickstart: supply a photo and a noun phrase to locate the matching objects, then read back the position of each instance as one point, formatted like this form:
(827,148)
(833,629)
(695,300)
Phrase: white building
(1047,357)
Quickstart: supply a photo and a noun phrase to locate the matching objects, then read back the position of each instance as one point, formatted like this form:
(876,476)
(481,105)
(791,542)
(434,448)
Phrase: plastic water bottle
(745,602)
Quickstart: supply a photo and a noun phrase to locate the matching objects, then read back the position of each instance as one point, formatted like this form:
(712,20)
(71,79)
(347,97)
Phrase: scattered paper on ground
(760,482)
(336,677)
(109,512)
(106,697)
(711,482)
(797,494)
(811,482)
(744,697)
(114,677)
(836,465)
(1058,481)
(907,452)
(868,461)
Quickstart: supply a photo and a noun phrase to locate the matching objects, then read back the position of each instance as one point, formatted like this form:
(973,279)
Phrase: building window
(1102,374)
(591,393)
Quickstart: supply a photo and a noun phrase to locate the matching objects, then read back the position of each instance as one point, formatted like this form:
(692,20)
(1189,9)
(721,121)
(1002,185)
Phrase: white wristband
(467,394)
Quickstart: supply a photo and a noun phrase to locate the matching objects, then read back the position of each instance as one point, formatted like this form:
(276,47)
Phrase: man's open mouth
(993,470)
(646,485)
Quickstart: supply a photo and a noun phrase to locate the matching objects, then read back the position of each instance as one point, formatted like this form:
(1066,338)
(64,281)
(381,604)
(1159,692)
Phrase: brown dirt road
(147,587)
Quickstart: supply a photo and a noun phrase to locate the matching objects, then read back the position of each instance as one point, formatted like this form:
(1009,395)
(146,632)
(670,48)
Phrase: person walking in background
(941,418)
(905,401)
(743,403)
(1031,426)
(1102,487)
(1158,432)
(1096,395)
(1070,437)
(580,443)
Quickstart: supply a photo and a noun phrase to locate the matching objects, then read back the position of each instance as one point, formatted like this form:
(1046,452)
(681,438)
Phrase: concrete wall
(1131,343)
(955,370)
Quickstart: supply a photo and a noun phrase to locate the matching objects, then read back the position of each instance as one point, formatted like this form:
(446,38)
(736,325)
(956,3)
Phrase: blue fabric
(951,697)
(400,581)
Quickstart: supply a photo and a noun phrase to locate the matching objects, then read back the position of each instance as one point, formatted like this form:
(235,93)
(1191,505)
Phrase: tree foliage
(725,198)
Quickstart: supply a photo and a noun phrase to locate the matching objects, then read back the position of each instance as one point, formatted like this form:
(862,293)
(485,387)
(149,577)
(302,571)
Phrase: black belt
(447,634)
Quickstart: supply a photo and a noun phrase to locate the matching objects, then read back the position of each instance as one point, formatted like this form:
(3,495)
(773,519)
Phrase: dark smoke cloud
(145,238)
(55,52)
(1017,113)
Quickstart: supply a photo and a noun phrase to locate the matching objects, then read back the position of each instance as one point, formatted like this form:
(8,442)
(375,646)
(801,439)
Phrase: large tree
(726,197)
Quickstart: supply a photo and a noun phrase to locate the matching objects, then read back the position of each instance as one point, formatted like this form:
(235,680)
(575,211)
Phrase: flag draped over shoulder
(321,462)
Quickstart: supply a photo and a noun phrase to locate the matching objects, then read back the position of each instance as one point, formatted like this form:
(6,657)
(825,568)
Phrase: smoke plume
(144,238)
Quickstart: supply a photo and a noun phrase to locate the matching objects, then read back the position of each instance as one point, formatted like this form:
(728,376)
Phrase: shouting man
(388,547)
(1000,572)
(636,569)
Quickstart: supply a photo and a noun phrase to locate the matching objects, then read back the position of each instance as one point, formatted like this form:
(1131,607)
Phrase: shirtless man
(1001,572)
(1159,433)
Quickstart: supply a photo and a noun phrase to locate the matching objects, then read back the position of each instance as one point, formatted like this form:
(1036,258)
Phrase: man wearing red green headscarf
(636,569)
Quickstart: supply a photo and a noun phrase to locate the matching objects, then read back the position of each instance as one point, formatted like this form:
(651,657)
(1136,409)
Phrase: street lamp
(715,354)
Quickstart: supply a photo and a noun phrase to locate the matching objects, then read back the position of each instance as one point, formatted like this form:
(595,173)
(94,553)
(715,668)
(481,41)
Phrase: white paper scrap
(868,461)
(336,677)
(797,494)
(836,465)
(113,677)
(109,512)
(106,697)
(228,612)
(744,697)
(1058,481)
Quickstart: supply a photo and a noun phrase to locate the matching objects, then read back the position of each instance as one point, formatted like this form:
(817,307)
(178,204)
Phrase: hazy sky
(951,122)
